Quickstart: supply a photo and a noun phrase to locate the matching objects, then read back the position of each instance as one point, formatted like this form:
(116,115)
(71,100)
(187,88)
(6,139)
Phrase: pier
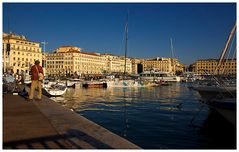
(48,125)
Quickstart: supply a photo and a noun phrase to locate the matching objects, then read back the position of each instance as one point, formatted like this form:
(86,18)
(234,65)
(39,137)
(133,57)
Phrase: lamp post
(44,49)
(44,45)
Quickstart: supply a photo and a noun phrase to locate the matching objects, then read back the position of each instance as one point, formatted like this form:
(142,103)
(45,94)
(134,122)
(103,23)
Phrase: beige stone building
(204,66)
(68,60)
(171,65)
(177,66)
(116,64)
(161,64)
(137,65)
(21,53)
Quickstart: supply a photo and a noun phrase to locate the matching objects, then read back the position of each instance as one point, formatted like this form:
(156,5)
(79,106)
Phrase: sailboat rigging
(225,50)
(220,91)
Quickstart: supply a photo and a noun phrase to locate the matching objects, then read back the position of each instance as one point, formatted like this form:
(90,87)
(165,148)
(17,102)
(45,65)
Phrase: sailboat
(126,83)
(216,85)
(220,94)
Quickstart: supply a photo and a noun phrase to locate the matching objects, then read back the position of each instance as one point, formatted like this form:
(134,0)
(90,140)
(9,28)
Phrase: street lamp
(44,49)
(44,45)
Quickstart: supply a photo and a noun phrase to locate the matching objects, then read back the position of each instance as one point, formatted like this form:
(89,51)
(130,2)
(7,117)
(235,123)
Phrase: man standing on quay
(36,83)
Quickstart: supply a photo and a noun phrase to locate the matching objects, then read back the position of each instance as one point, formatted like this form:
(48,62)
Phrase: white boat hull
(53,92)
(209,92)
(94,84)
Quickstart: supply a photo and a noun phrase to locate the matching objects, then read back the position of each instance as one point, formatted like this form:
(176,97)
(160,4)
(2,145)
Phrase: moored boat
(219,92)
(94,84)
(54,90)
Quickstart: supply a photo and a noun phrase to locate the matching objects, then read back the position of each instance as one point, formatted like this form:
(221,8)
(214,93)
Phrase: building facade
(177,67)
(68,60)
(116,64)
(161,64)
(19,53)
(208,66)
(171,65)
(137,65)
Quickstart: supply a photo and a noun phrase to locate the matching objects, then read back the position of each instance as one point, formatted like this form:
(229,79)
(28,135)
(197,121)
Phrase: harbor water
(165,117)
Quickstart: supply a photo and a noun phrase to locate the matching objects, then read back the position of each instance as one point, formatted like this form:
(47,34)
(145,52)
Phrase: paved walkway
(48,125)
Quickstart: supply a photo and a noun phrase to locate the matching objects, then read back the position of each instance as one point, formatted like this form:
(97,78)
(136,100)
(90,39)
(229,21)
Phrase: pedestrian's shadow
(72,139)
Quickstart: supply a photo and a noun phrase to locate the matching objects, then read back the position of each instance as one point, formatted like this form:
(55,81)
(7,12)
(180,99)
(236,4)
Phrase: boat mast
(126,43)
(225,49)
(171,44)
(6,54)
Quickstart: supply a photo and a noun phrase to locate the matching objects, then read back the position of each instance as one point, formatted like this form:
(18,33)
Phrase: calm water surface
(164,117)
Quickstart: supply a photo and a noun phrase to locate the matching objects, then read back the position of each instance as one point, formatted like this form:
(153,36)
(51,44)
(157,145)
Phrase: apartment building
(161,64)
(19,53)
(171,65)
(208,66)
(177,66)
(68,60)
(137,65)
(116,64)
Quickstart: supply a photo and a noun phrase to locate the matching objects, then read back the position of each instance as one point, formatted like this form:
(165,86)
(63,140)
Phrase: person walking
(37,78)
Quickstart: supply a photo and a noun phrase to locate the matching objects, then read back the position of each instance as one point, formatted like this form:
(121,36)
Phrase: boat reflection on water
(155,117)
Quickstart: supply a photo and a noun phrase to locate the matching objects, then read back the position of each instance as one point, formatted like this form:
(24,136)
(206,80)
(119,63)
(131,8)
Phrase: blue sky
(198,30)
